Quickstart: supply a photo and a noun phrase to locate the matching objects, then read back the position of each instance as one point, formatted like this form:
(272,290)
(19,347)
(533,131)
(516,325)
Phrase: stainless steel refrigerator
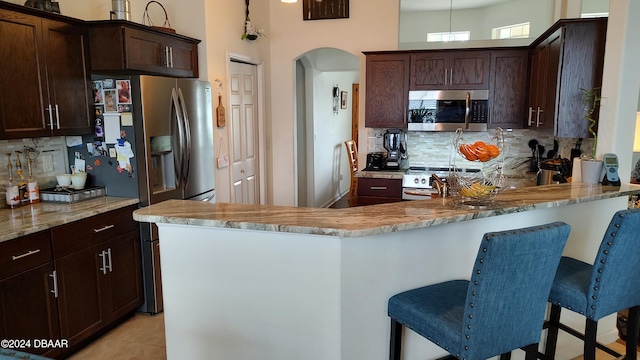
(173,126)
(171,137)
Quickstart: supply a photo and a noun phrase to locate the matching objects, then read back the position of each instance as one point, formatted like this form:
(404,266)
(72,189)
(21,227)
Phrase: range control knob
(415,180)
(423,181)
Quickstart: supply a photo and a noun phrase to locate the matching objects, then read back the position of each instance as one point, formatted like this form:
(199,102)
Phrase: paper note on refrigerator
(111,128)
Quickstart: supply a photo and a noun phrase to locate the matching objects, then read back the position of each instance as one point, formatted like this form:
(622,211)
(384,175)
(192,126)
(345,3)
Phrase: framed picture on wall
(325,9)
(343,100)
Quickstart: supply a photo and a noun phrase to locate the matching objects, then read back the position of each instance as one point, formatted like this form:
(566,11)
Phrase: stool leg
(505,356)
(552,332)
(590,331)
(531,351)
(632,333)
(395,345)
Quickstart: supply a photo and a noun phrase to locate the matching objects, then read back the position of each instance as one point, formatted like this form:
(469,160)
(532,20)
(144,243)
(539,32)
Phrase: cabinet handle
(538,117)
(378,188)
(30,252)
(50,116)
(529,122)
(110,264)
(171,57)
(57,117)
(445,76)
(451,77)
(103,228)
(104,262)
(54,275)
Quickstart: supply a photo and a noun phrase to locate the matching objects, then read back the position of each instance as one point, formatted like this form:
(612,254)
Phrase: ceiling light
(289,1)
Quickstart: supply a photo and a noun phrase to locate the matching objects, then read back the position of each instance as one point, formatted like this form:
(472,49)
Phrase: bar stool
(352,154)
(610,285)
(500,309)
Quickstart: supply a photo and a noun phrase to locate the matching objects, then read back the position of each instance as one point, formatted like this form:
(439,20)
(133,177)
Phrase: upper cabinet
(123,47)
(565,61)
(454,70)
(507,90)
(387,90)
(45,73)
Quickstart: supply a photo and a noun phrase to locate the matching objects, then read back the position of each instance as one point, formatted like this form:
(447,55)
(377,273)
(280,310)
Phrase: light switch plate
(47,163)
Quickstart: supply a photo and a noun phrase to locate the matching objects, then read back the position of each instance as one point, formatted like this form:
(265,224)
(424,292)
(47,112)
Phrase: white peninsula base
(265,295)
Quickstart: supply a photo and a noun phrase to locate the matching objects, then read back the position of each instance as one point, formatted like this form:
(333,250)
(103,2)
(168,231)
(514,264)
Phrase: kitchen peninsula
(273,282)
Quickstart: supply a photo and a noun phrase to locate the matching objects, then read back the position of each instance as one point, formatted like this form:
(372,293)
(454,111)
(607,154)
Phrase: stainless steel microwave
(448,110)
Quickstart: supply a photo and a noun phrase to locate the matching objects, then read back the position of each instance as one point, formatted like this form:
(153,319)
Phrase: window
(449,36)
(595,15)
(516,31)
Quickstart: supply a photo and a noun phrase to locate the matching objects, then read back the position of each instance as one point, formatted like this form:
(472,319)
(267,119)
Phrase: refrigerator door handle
(187,136)
(178,159)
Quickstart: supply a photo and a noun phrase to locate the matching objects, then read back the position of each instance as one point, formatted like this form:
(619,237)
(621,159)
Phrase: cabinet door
(160,54)
(28,308)
(123,289)
(23,90)
(538,85)
(67,70)
(554,49)
(429,71)
(507,95)
(387,90)
(469,70)
(79,297)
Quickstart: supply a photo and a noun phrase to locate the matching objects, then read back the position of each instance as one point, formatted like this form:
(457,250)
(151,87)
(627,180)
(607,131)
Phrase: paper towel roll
(576,171)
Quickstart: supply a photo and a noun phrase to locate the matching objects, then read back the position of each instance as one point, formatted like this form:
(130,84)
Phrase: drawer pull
(54,275)
(103,228)
(25,254)
(378,188)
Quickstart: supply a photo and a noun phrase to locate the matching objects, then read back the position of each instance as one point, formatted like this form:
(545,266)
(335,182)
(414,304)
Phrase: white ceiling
(439,5)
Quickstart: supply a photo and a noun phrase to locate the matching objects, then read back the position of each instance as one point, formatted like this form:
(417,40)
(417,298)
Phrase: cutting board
(220,116)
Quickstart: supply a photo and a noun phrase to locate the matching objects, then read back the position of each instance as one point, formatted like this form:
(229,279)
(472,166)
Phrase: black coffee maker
(396,146)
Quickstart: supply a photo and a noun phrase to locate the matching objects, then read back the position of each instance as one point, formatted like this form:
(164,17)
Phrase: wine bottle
(33,191)
(11,188)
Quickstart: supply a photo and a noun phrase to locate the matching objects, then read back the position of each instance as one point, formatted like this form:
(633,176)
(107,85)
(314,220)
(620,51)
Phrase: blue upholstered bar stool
(611,284)
(500,309)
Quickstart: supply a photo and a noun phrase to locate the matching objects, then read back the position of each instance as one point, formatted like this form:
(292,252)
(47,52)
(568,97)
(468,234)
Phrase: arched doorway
(322,126)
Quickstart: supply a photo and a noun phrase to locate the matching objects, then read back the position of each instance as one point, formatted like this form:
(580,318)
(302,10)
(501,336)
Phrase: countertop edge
(43,216)
(370,220)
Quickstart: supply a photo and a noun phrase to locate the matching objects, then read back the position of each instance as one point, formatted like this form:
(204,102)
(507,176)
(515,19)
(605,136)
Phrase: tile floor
(139,338)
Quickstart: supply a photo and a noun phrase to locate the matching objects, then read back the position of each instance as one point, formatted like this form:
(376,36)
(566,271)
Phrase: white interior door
(244,133)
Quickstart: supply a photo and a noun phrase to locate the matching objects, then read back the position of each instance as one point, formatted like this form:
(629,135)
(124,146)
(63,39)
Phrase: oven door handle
(467,112)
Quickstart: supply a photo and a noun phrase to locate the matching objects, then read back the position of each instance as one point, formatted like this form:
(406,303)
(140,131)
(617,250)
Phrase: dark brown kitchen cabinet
(376,187)
(125,47)
(44,77)
(387,90)
(453,70)
(507,93)
(98,265)
(565,60)
(28,307)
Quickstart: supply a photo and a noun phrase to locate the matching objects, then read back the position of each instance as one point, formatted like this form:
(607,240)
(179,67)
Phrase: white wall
(331,168)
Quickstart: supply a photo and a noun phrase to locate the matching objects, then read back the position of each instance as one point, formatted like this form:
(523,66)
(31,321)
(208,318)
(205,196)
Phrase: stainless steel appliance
(170,133)
(174,120)
(448,110)
(395,143)
(417,182)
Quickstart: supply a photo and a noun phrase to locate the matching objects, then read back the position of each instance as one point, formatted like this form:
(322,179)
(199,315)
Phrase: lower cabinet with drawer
(70,282)
(378,187)
(28,307)
(98,267)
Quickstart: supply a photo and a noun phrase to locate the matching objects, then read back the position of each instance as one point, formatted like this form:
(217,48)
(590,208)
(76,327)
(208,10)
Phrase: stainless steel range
(417,182)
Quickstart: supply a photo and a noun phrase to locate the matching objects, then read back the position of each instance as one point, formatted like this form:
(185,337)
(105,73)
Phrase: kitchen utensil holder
(146,19)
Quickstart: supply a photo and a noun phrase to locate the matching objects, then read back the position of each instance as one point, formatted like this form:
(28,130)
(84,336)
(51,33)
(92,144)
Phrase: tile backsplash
(48,146)
(434,148)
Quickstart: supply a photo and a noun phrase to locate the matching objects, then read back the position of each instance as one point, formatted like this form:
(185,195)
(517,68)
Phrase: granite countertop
(372,219)
(45,215)
(381,174)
